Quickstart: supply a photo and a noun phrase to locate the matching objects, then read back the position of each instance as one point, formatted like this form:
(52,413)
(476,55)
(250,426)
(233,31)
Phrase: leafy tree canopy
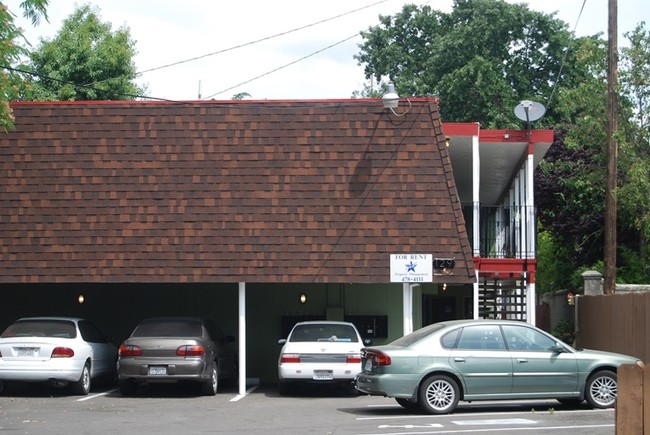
(85,61)
(489,52)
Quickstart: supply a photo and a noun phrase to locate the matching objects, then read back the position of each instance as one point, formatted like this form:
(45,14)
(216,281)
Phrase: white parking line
(499,430)
(96,395)
(241,396)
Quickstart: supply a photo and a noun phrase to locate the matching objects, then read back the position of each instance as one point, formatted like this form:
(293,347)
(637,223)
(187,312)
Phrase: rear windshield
(41,328)
(168,328)
(418,335)
(324,332)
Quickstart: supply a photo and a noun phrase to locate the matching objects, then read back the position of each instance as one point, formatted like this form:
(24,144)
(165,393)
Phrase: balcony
(506,232)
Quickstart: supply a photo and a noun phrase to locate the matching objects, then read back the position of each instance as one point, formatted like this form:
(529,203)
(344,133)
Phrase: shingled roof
(225,191)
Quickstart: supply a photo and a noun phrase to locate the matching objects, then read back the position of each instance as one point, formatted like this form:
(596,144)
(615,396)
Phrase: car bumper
(402,386)
(177,371)
(317,373)
(41,371)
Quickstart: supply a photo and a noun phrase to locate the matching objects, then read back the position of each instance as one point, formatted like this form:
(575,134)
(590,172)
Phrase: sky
(312,56)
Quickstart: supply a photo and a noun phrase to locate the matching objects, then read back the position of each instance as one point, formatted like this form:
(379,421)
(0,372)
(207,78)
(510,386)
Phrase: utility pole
(609,286)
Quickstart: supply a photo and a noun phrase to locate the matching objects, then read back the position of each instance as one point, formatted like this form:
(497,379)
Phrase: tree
(489,52)
(85,61)
(11,51)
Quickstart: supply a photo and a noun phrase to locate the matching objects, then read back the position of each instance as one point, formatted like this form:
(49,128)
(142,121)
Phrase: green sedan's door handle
(458,359)
(522,361)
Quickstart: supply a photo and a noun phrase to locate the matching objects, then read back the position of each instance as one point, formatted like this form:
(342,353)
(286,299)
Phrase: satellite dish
(529,111)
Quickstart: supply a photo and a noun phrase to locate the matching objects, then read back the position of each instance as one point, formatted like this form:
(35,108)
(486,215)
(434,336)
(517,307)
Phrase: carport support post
(242,338)
(407,295)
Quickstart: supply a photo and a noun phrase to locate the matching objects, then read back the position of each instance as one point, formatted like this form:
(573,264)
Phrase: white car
(321,352)
(56,350)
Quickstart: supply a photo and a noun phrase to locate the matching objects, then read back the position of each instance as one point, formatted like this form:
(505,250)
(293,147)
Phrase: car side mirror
(282,341)
(557,348)
(367,341)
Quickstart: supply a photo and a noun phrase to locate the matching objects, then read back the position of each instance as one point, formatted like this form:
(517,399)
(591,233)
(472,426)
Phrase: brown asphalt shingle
(225,191)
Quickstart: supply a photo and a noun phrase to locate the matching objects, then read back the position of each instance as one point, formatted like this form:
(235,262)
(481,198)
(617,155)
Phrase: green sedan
(439,365)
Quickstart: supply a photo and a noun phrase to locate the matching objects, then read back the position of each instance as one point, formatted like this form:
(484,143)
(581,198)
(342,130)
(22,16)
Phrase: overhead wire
(266,38)
(566,53)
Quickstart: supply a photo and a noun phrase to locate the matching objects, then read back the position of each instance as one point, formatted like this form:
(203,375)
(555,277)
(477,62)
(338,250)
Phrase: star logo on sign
(411,267)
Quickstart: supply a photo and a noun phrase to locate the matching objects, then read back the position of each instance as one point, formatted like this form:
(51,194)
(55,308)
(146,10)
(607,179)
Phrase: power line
(282,67)
(266,38)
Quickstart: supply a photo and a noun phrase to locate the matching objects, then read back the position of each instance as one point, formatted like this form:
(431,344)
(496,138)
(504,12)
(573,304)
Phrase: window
(484,337)
(524,338)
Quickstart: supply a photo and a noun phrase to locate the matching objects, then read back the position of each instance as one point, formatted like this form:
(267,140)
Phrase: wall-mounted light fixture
(81,298)
(303,298)
(444,287)
(391,100)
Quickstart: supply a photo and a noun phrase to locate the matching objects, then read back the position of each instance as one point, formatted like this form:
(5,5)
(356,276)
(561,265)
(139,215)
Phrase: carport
(305,196)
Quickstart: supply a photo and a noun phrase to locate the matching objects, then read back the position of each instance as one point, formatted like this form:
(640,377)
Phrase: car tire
(127,387)
(3,386)
(601,389)
(209,387)
(82,386)
(438,394)
(407,403)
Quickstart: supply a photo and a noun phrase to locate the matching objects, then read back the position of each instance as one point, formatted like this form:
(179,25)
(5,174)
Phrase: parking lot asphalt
(173,409)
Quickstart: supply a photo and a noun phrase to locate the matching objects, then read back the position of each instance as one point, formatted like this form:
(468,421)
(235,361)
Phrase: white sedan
(56,350)
(320,352)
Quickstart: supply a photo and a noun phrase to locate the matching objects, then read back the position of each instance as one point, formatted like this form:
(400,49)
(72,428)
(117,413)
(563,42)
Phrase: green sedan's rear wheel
(601,389)
(438,394)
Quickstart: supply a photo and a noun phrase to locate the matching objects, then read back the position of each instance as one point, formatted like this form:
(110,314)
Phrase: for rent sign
(411,268)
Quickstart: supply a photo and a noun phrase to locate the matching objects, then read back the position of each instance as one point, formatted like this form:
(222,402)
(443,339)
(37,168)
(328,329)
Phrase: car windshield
(41,328)
(323,332)
(168,328)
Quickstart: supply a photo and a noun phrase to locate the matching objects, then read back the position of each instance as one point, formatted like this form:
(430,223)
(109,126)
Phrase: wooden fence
(615,323)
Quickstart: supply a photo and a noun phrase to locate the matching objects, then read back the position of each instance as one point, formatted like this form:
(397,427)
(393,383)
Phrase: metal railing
(503,232)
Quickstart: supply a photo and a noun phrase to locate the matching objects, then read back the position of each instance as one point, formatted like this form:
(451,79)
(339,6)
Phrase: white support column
(476,201)
(407,297)
(475,297)
(530,206)
(530,303)
(242,338)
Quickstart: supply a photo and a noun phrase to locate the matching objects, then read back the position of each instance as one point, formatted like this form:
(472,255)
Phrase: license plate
(368,365)
(27,351)
(323,375)
(158,370)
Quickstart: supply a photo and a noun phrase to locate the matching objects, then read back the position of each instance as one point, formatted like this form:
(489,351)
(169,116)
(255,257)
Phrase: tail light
(130,350)
(190,351)
(290,358)
(378,358)
(353,359)
(62,352)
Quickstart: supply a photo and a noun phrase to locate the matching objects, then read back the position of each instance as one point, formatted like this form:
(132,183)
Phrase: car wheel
(601,389)
(209,387)
(127,387)
(82,386)
(3,387)
(406,403)
(438,394)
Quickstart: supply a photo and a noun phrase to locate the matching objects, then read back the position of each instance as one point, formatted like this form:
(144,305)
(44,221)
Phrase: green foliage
(85,61)
(11,51)
(565,331)
(487,52)
(553,271)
